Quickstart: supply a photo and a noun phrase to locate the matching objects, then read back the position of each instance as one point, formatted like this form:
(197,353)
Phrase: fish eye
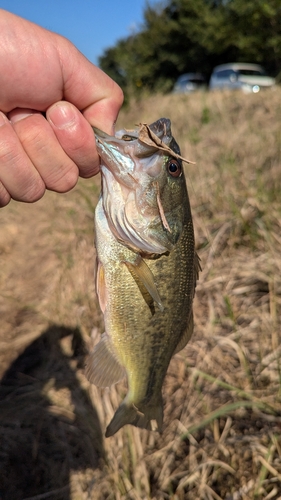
(174,168)
(127,137)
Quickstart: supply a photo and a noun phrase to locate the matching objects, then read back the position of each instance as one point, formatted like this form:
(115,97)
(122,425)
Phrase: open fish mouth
(147,140)
(134,173)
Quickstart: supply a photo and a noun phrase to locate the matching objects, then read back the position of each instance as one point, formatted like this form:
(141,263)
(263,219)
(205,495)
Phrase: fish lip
(104,138)
(99,133)
(110,149)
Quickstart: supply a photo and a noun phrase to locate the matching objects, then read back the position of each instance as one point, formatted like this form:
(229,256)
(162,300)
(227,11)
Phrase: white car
(246,77)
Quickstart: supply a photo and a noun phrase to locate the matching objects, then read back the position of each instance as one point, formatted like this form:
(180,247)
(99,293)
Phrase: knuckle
(90,168)
(32,191)
(62,179)
(19,177)
(33,133)
(5,197)
(119,95)
(4,202)
(70,178)
(33,138)
(9,154)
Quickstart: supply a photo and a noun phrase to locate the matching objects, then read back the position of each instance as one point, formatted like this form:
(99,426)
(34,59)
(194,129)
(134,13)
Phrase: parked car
(189,82)
(246,77)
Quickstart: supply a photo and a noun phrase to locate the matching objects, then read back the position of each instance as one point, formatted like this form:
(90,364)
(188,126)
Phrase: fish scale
(145,295)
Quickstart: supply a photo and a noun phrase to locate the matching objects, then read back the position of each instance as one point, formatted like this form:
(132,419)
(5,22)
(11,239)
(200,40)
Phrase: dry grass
(222,394)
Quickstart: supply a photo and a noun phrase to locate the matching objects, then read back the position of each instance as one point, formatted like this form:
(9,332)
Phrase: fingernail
(61,115)
(19,114)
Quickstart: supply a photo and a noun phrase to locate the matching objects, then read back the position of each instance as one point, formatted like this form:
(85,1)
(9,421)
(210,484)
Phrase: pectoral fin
(144,274)
(102,366)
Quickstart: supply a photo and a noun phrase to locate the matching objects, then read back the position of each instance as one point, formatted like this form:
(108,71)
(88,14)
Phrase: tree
(181,36)
(255,31)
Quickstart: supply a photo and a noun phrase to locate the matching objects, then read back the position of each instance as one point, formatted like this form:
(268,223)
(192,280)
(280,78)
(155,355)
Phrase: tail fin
(128,413)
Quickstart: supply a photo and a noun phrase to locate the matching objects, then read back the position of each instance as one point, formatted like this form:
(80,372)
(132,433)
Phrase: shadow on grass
(48,426)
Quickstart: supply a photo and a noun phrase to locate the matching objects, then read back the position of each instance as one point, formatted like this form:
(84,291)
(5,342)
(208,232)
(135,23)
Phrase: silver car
(189,82)
(246,77)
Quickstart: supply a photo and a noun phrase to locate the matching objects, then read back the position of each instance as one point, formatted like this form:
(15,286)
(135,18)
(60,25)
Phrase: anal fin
(102,366)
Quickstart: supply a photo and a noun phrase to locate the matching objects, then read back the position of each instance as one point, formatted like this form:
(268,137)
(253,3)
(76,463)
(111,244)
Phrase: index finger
(90,90)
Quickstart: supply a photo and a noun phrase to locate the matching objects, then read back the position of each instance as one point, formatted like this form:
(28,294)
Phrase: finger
(90,89)
(56,70)
(17,174)
(57,170)
(103,113)
(75,136)
(5,198)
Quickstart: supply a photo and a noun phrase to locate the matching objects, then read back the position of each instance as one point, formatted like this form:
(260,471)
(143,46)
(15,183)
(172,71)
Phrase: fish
(147,268)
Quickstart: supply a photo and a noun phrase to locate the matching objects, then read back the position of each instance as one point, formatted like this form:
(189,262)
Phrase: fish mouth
(112,152)
(126,156)
(132,165)
(142,142)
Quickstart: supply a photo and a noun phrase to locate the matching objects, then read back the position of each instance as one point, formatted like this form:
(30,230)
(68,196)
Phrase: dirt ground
(222,395)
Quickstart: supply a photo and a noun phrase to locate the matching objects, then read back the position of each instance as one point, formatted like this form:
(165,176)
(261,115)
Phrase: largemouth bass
(146,268)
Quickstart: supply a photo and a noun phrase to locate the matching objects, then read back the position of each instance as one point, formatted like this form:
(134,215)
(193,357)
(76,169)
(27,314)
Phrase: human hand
(50,94)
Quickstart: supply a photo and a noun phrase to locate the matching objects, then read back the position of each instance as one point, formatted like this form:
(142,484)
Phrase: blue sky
(92,25)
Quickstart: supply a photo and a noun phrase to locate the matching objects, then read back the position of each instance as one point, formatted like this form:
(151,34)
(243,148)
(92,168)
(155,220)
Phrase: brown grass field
(222,393)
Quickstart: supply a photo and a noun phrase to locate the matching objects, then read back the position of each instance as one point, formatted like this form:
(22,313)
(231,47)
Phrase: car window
(225,73)
(182,81)
(196,80)
(251,72)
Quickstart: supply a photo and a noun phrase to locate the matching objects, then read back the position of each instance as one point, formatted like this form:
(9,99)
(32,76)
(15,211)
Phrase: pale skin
(50,95)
